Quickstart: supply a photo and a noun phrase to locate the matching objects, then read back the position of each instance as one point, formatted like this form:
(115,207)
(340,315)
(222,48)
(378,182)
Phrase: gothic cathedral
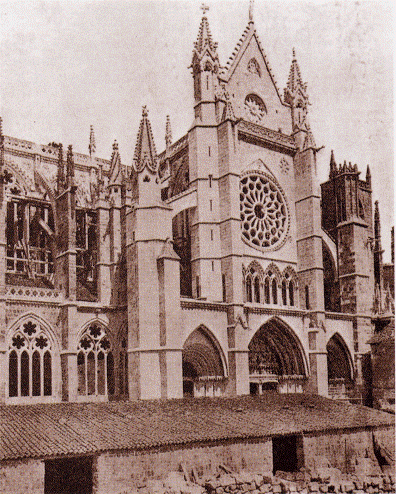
(218,267)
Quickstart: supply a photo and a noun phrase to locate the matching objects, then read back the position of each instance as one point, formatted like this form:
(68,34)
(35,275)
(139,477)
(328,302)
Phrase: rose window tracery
(255,109)
(264,213)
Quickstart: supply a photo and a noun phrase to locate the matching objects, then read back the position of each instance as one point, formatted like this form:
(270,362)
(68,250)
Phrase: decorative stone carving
(264,212)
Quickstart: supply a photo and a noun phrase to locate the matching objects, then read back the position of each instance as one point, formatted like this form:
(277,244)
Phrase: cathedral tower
(153,298)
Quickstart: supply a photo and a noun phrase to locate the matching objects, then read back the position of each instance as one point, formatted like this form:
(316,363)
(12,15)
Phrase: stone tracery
(264,214)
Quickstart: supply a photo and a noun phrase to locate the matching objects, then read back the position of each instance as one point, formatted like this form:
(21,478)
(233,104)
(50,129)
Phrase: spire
(60,181)
(368,176)
(251,7)
(145,152)
(377,224)
(204,35)
(168,133)
(378,265)
(333,165)
(295,81)
(295,95)
(92,143)
(115,176)
(70,167)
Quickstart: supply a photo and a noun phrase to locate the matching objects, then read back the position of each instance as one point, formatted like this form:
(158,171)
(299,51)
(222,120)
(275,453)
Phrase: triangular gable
(249,35)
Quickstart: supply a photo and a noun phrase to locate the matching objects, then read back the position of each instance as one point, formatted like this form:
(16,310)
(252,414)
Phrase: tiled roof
(40,431)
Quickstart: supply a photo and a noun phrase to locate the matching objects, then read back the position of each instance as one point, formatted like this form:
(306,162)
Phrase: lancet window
(29,362)
(253,285)
(86,244)
(95,363)
(288,287)
(270,287)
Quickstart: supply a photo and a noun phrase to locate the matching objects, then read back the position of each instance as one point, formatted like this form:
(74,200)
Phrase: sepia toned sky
(67,65)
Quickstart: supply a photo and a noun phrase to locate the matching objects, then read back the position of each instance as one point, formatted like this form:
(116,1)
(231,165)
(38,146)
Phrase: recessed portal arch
(339,367)
(276,359)
(204,364)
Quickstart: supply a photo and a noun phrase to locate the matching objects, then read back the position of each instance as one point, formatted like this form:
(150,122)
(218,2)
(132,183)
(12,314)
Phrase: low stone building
(109,448)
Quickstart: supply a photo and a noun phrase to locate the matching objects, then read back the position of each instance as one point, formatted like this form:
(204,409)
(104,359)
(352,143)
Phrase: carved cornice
(202,305)
(255,309)
(267,137)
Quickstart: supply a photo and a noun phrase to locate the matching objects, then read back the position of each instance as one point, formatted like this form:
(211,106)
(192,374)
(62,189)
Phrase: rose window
(264,214)
(255,109)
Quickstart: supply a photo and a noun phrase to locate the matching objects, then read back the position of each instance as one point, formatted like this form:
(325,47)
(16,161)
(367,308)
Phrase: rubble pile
(224,481)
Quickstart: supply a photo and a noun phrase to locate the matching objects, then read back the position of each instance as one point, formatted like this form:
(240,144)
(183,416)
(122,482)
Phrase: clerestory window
(29,231)
(86,245)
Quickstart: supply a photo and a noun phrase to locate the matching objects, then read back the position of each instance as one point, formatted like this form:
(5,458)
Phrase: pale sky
(67,65)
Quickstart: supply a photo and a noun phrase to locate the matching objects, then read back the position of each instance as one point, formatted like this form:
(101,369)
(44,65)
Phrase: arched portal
(330,281)
(203,365)
(339,368)
(276,359)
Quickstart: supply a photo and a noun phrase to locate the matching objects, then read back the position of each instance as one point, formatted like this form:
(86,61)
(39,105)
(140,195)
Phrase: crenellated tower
(153,298)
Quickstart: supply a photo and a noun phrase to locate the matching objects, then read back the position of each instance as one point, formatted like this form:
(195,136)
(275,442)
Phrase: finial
(168,132)
(294,54)
(333,165)
(251,7)
(1,126)
(204,8)
(393,245)
(92,143)
(144,111)
(115,145)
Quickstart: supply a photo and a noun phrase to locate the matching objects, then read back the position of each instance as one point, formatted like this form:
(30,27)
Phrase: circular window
(264,214)
(255,109)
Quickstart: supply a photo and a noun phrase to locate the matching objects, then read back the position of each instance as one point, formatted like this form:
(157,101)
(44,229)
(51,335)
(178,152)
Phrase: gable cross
(204,8)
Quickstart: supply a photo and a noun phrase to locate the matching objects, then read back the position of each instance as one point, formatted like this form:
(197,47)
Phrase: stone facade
(217,267)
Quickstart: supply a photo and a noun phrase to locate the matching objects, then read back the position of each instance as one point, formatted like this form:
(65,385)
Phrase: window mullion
(41,373)
(105,373)
(86,372)
(19,355)
(96,371)
(30,362)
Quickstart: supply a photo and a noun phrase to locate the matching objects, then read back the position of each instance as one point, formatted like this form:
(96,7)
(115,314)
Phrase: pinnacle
(115,166)
(168,132)
(204,34)
(145,152)
(294,81)
(92,142)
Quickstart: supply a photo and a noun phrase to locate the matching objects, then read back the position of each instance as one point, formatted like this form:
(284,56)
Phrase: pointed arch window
(288,287)
(29,232)
(257,289)
(267,296)
(249,297)
(253,285)
(284,293)
(274,291)
(95,363)
(30,362)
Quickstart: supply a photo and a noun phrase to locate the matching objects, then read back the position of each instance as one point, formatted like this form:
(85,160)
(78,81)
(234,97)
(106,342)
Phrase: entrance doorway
(68,476)
(287,453)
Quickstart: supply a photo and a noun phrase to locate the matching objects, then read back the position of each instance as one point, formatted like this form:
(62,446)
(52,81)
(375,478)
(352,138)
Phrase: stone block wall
(123,471)
(22,477)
